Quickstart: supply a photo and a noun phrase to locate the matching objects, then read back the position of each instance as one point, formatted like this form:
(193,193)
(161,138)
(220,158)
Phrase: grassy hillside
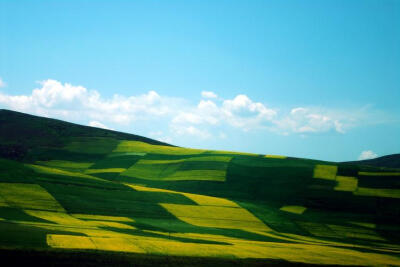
(77,189)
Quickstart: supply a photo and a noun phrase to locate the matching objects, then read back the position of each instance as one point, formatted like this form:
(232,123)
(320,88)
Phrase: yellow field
(294,209)
(275,157)
(346,183)
(48,170)
(28,196)
(327,172)
(141,147)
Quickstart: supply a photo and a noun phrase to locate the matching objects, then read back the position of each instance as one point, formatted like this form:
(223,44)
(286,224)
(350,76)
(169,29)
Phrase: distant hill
(389,161)
(20,132)
(78,195)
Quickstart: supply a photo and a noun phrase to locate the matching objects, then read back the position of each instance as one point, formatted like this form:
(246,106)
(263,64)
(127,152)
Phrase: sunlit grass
(54,171)
(65,164)
(210,201)
(275,157)
(327,172)
(220,217)
(141,147)
(294,209)
(346,183)
(170,170)
(28,196)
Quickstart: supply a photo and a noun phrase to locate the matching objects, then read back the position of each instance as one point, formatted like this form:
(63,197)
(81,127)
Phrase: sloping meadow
(107,194)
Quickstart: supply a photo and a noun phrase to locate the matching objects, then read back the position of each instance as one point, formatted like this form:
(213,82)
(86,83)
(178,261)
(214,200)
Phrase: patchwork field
(91,191)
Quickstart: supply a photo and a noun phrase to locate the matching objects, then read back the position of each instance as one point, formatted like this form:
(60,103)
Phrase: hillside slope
(83,188)
(388,161)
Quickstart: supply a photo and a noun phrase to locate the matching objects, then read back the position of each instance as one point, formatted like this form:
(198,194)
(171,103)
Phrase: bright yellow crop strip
(109,170)
(149,189)
(48,170)
(275,156)
(28,196)
(68,220)
(327,172)
(221,217)
(294,209)
(229,152)
(377,192)
(102,218)
(65,164)
(211,201)
(379,173)
(116,244)
(70,241)
(141,147)
(346,183)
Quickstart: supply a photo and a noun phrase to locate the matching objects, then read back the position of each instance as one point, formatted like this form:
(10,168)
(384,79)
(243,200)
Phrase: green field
(77,193)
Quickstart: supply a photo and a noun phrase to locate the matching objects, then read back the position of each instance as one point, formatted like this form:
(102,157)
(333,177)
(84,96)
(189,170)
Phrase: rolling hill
(74,193)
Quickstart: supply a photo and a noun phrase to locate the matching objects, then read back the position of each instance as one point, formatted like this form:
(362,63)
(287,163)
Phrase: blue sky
(316,79)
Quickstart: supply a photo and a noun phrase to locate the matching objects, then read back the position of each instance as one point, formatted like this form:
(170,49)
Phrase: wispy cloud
(208,94)
(2,83)
(367,154)
(98,125)
(178,117)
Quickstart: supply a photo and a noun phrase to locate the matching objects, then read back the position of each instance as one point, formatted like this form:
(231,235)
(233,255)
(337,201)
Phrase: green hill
(66,188)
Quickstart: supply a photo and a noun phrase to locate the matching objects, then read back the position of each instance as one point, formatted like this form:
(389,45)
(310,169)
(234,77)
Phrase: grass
(141,147)
(30,196)
(294,209)
(104,192)
(211,168)
(327,172)
(345,183)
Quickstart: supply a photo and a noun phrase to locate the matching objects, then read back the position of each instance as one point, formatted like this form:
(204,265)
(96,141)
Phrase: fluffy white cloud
(180,130)
(176,117)
(76,102)
(367,154)
(2,83)
(208,94)
(311,120)
(98,125)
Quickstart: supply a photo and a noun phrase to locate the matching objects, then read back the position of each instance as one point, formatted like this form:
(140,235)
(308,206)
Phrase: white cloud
(180,130)
(367,154)
(2,83)
(304,120)
(98,125)
(150,112)
(76,103)
(208,94)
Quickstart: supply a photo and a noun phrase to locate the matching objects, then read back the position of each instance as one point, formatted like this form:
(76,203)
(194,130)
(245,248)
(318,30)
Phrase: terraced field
(93,190)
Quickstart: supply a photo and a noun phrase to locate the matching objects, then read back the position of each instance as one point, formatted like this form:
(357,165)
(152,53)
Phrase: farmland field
(85,191)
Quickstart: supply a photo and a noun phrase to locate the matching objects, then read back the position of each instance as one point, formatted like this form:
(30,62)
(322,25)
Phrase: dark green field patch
(116,162)
(91,145)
